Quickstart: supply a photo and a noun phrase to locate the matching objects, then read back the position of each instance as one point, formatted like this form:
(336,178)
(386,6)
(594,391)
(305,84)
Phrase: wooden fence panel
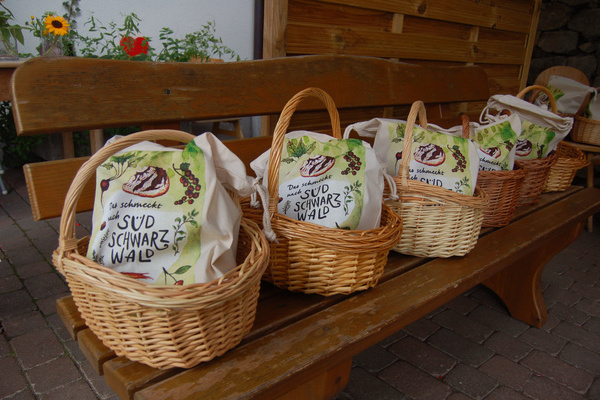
(498,36)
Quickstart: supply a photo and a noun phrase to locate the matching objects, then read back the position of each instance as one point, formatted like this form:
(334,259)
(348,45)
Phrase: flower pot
(8,49)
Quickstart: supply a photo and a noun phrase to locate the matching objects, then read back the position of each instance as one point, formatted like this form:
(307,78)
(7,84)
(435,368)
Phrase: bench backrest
(52,95)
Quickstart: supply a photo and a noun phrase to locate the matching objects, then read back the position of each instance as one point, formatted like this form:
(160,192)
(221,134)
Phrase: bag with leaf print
(495,141)
(337,183)
(541,129)
(438,157)
(164,215)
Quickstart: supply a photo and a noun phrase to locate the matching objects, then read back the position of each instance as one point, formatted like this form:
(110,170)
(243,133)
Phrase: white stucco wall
(234,19)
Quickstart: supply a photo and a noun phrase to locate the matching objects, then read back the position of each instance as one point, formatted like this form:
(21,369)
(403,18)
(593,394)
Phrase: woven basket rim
(231,284)
(342,239)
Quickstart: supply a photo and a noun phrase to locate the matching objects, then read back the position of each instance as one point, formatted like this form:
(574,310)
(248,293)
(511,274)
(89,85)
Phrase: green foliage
(18,150)
(200,45)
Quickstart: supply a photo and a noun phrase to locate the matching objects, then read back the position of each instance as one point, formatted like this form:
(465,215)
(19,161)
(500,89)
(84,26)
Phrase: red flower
(133,47)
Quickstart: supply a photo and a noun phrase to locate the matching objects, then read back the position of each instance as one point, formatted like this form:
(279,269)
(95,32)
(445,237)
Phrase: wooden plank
(48,183)
(94,350)
(174,92)
(298,352)
(317,12)
(70,316)
(314,39)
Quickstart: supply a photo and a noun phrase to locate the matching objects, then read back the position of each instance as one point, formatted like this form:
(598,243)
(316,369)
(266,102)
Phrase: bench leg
(519,284)
(325,386)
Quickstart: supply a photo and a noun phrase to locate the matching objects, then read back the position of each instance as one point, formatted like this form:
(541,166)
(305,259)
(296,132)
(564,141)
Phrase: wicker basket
(586,131)
(504,189)
(437,222)
(537,170)
(569,160)
(158,325)
(310,258)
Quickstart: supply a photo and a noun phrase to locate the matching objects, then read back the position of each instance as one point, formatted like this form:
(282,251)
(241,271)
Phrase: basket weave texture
(310,258)
(159,325)
(504,189)
(437,222)
(586,131)
(569,160)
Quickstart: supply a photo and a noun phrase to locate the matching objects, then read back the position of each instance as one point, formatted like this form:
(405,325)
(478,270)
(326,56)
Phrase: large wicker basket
(586,131)
(537,170)
(310,258)
(437,222)
(569,160)
(159,325)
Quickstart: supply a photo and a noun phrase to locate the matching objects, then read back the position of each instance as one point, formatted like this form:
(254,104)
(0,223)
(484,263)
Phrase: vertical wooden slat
(535,15)
(275,26)
(68,148)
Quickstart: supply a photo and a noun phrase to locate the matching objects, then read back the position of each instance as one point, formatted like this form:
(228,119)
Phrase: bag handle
(539,88)
(281,129)
(67,241)
(417,109)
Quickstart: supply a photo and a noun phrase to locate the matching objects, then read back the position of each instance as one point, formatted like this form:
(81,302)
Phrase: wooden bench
(301,346)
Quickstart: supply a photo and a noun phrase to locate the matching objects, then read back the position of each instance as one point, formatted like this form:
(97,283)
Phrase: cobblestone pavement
(468,349)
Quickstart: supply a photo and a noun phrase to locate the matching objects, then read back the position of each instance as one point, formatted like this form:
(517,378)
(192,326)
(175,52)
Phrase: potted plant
(10,35)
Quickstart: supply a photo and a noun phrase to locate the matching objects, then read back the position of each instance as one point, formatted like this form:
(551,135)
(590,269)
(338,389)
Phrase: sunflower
(57,25)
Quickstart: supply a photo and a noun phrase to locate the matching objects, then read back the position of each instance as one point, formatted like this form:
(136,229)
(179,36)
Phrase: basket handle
(281,129)
(417,109)
(539,88)
(466,128)
(67,241)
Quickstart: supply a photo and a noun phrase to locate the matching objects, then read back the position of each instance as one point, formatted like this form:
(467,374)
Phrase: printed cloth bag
(164,216)
(337,183)
(541,129)
(439,158)
(568,94)
(495,141)
(593,108)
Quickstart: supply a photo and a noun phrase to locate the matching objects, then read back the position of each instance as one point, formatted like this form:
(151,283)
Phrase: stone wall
(568,34)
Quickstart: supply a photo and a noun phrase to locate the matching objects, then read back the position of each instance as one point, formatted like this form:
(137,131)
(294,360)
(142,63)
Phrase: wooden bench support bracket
(519,285)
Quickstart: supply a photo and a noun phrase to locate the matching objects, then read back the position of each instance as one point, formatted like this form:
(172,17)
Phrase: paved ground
(468,349)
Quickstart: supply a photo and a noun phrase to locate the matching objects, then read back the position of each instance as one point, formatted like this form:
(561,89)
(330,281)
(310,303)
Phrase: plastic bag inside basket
(164,216)
(439,158)
(541,129)
(337,183)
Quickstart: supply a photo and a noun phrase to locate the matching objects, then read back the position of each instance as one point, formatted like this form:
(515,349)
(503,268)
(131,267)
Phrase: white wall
(234,19)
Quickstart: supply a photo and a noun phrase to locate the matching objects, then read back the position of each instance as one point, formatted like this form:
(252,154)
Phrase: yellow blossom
(56,25)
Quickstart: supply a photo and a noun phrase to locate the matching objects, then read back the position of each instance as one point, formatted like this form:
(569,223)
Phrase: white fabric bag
(163,215)
(568,94)
(496,142)
(441,158)
(337,183)
(541,129)
(593,109)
